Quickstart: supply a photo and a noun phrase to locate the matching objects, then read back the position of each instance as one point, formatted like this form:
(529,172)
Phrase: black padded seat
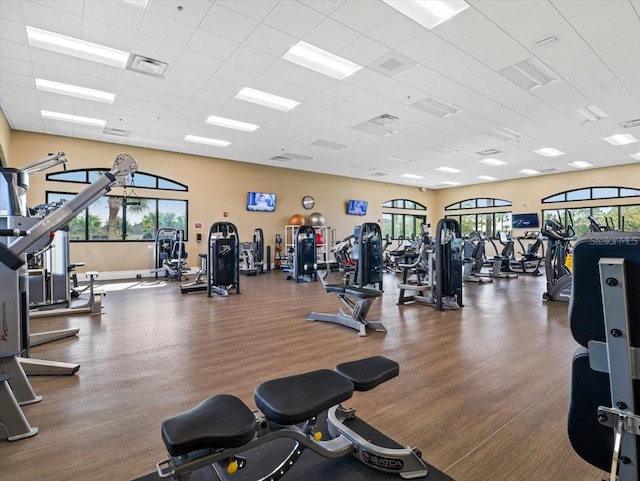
(362,292)
(222,421)
(339,288)
(295,399)
(370,372)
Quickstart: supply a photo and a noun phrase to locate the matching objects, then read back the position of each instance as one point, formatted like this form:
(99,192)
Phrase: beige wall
(217,186)
(5,139)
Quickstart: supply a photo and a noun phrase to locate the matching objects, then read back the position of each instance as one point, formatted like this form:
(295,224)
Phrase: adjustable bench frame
(402,461)
(358,308)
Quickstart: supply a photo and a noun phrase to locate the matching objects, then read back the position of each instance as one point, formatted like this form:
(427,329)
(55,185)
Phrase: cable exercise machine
(367,251)
(219,266)
(170,253)
(305,255)
(21,234)
(252,255)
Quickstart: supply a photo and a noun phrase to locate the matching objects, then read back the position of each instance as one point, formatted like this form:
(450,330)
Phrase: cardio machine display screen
(357,207)
(259,201)
(524,221)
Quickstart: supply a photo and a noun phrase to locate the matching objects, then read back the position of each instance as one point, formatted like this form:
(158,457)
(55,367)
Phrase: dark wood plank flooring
(483,392)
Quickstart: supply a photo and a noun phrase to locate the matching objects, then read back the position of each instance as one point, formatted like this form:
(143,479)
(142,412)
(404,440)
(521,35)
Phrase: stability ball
(296,219)
(316,219)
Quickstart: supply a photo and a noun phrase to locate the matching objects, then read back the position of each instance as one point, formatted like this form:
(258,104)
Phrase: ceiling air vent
(147,66)
(327,144)
(548,171)
(439,108)
(630,123)
(391,64)
(377,126)
(289,156)
(378,174)
(116,132)
(280,158)
(488,152)
(383,119)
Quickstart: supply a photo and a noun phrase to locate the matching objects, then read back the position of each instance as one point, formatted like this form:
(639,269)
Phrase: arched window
(139,179)
(480,203)
(591,193)
(403,225)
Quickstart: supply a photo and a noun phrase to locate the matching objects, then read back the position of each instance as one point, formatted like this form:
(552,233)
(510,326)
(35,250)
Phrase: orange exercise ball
(296,219)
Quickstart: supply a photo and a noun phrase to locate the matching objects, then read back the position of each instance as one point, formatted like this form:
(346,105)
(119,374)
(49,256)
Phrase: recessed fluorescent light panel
(231,124)
(636,156)
(449,182)
(438,108)
(580,164)
(486,177)
(314,58)
(621,139)
(428,13)
(529,74)
(74,119)
(529,171)
(493,162)
(266,99)
(76,47)
(448,170)
(206,141)
(549,152)
(137,3)
(412,176)
(74,91)
(327,144)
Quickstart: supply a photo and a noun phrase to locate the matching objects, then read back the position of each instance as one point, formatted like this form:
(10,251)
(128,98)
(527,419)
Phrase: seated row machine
(305,256)
(220,428)
(604,314)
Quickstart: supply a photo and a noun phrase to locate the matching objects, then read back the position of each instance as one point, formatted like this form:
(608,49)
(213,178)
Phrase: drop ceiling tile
(490,40)
(191,13)
(13,31)
(47,18)
(575,9)
(235,74)
(102,34)
(256,9)
(251,58)
(341,90)
(228,24)
(187,77)
(11,10)
(448,60)
(14,50)
(212,45)
(326,7)
(115,13)
(54,127)
(10,78)
(529,23)
(469,71)
(463,26)
(197,62)
(293,18)
(16,66)
(156,26)
(23,93)
(603,18)
(331,35)
(270,40)
(297,92)
(395,31)
(499,10)
(362,16)
(364,50)
(424,47)
(70,6)
(222,87)
(508,55)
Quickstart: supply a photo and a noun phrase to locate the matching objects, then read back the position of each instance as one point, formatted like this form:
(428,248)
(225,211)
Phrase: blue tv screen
(261,202)
(524,221)
(357,207)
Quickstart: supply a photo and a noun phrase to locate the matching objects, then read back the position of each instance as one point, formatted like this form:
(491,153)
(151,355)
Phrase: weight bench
(221,427)
(604,314)
(358,300)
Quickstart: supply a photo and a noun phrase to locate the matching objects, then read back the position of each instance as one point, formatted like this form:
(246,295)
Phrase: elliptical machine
(559,277)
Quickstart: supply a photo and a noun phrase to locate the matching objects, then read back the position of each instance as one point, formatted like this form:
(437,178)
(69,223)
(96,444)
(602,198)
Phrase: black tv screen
(261,202)
(357,207)
(524,221)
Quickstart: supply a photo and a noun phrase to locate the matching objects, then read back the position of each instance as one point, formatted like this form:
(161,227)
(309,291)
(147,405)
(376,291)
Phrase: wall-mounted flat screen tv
(525,221)
(357,207)
(261,202)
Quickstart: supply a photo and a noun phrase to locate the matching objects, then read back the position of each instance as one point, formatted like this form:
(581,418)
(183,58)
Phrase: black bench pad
(222,421)
(295,399)
(362,292)
(370,372)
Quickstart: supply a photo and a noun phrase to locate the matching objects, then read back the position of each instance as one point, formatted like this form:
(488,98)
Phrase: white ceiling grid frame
(256,9)
(211,45)
(192,14)
(100,33)
(395,31)
(228,23)
(113,12)
(54,20)
(362,15)
(294,18)
(166,30)
(331,35)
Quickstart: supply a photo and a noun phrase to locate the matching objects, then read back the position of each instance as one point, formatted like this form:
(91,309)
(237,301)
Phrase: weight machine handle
(13,233)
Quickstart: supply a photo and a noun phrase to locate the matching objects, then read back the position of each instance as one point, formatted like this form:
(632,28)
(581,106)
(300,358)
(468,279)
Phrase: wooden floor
(483,392)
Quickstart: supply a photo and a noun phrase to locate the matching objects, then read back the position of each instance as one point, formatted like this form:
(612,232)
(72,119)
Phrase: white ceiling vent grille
(377,126)
(392,64)
(147,66)
(327,144)
(439,108)
(378,174)
(488,152)
(630,123)
(116,132)
(548,171)
(287,156)
(504,133)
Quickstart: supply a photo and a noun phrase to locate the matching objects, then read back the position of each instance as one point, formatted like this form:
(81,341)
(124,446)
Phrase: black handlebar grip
(13,233)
